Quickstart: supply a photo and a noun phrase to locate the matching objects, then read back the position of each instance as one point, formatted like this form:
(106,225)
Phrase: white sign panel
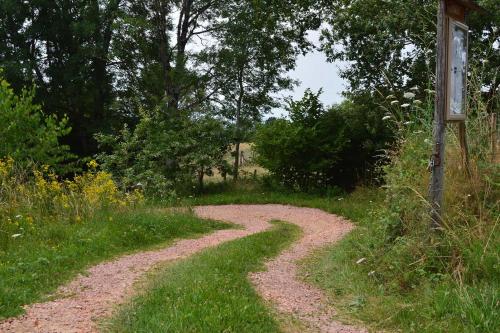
(457,70)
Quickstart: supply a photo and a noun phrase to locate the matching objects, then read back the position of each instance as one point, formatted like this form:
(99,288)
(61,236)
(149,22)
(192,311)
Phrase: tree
(391,44)
(157,46)
(27,134)
(100,62)
(320,148)
(257,46)
(165,155)
(64,47)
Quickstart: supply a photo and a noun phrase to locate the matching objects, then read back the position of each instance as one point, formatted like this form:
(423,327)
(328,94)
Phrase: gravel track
(93,296)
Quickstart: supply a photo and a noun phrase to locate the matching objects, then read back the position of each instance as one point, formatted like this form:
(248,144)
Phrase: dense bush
(319,148)
(26,133)
(165,155)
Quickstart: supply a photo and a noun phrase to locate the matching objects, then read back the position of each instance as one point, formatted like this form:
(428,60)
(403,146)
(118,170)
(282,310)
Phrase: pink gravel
(93,296)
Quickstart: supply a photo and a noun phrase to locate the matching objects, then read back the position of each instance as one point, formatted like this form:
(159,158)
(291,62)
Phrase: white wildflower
(18,216)
(15,235)
(409,95)
(371,273)
(339,199)
(408,122)
(360,261)
(414,88)
(386,117)
(427,141)
(394,102)
(391,97)
(405,105)
(417,101)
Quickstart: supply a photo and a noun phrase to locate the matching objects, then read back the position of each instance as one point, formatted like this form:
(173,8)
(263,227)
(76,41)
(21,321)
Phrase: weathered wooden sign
(451,91)
(456,91)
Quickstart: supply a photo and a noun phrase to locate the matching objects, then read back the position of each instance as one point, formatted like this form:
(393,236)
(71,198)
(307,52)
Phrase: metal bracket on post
(434,160)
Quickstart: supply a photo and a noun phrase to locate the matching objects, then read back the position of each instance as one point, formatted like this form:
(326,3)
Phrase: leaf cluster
(28,135)
(318,148)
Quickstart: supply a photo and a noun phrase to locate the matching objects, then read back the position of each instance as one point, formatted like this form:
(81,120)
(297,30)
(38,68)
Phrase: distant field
(247,168)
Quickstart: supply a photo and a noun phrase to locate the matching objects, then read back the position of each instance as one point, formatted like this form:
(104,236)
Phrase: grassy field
(209,292)
(38,262)
(248,169)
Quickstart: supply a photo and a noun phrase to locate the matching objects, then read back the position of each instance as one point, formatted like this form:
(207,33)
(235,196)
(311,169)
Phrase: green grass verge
(44,258)
(435,304)
(209,292)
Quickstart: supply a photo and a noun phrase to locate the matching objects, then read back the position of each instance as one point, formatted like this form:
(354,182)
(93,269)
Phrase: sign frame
(451,25)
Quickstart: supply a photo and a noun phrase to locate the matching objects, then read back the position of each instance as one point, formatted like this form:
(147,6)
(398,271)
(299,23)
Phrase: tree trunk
(201,174)
(160,12)
(236,161)
(237,125)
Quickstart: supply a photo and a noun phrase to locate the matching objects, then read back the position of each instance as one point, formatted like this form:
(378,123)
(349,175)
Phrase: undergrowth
(394,271)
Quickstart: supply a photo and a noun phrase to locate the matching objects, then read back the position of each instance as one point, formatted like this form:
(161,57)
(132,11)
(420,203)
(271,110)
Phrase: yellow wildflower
(92,164)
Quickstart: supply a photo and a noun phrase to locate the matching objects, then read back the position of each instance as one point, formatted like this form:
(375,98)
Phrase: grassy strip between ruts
(209,292)
(37,263)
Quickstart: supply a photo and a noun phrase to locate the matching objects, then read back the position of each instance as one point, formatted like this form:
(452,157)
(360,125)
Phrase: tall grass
(412,278)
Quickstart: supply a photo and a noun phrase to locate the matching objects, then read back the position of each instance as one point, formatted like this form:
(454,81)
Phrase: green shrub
(320,148)
(26,133)
(164,156)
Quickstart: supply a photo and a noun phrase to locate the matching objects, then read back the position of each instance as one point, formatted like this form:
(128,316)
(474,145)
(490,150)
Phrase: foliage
(410,279)
(64,47)
(256,49)
(209,292)
(99,62)
(39,194)
(391,44)
(27,134)
(319,148)
(163,156)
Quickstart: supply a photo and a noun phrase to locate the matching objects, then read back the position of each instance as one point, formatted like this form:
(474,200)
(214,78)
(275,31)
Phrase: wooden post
(439,131)
(493,125)
(464,148)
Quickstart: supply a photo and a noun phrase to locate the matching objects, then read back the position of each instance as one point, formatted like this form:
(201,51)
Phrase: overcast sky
(314,72)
